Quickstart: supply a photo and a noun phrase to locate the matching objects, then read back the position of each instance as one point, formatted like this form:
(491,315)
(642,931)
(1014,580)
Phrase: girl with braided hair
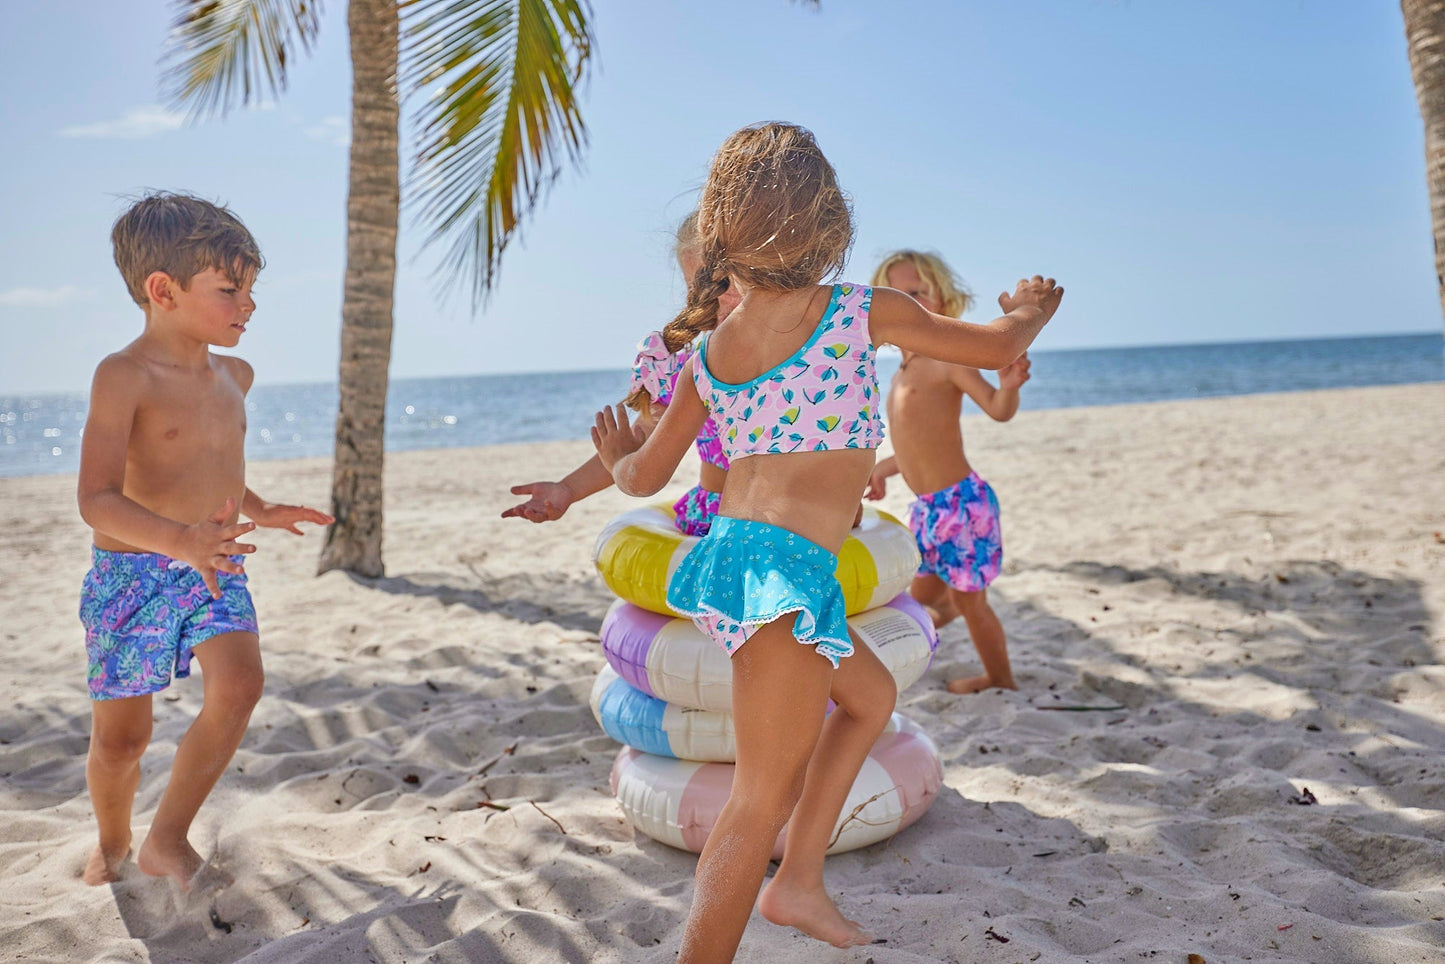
(788,376)
(660,359)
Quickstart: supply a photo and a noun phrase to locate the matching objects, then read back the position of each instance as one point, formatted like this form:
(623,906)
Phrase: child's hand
(549,501)
(286,516)
(877,486)
(208,545)
(1014,375)
(1035,292)
(615,437)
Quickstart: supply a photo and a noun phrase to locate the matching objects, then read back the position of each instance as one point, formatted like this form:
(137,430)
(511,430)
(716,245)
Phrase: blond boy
(955,518)
(162,481)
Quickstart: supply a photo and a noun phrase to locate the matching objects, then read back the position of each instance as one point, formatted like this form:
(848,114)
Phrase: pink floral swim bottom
(958,534)
(694,512)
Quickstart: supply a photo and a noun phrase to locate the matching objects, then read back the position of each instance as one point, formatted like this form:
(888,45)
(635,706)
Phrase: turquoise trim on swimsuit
(828,311)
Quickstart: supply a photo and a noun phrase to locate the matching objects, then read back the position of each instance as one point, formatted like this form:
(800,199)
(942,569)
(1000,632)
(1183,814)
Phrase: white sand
(1259,582)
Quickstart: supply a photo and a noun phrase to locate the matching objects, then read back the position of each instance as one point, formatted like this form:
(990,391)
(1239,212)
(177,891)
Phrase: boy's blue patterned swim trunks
(143,614)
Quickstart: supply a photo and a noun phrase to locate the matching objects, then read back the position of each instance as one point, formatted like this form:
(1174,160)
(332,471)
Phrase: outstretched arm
(550,500)
(276,515)
(1001,403)
(897,319)
(642,466)
(878,481)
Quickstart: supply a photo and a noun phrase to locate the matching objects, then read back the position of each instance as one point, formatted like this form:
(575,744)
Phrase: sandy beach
(1255,585)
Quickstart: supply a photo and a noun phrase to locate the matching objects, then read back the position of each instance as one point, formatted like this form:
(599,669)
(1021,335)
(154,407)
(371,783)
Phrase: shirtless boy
(162,482)
(955,519)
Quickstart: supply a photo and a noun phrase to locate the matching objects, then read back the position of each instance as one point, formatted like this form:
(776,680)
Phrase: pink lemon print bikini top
(821,399)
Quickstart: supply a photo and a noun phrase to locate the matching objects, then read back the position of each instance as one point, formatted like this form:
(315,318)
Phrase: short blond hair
(945,286)
(181,235)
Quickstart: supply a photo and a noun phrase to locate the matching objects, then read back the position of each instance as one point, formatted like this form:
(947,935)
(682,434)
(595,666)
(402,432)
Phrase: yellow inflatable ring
(638,551)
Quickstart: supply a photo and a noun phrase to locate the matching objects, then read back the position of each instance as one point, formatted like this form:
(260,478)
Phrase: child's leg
(231,672)
(865,693)
(988,639)
(780,690)
(932,594)
(119,732)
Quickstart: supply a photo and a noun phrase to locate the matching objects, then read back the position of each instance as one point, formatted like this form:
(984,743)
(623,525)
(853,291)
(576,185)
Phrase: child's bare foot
(104,864)
(812,912)
(180,862)
(977,684)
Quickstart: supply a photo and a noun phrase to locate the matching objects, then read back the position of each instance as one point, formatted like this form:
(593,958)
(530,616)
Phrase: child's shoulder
(120,371)
(237,368)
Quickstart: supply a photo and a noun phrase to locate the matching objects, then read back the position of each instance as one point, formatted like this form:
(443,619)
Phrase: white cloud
(42,297)
(333,130)
(136,123)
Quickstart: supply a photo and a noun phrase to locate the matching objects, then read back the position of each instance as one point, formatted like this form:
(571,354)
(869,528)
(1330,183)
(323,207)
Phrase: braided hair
(771,215)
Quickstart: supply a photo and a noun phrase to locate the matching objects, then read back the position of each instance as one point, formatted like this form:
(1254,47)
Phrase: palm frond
(498,118)
(225,53)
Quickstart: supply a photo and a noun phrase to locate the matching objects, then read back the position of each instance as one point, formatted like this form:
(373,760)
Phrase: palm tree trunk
(373,201)
(1425,38)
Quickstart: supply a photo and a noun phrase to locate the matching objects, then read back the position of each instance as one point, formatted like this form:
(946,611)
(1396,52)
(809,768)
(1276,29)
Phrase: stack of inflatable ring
(666,691)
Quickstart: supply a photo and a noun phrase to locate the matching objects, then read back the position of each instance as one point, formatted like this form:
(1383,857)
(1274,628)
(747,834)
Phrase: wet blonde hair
(771,215)
(945,286)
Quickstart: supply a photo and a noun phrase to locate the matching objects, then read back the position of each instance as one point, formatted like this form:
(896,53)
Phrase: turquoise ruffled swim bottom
(745,574)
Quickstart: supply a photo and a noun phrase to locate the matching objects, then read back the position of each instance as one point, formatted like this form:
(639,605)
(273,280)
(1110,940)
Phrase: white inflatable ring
(674,661)
(677,802)
(638,551)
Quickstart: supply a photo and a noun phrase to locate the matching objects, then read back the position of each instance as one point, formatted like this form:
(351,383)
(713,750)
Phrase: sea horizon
(40,432)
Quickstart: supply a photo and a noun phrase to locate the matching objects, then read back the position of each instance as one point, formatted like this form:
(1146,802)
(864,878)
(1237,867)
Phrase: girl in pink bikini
(659,361)
(788,377)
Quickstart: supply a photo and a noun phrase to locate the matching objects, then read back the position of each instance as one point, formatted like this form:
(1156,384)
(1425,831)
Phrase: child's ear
(160,289)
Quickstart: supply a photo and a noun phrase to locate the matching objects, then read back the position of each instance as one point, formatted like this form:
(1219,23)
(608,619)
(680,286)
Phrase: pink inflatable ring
(677,802)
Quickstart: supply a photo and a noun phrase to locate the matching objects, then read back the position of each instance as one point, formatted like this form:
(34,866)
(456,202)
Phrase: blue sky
(1190,171)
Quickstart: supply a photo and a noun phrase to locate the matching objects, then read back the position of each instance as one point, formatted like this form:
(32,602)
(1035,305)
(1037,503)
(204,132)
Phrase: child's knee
(771,799)
(239,691)
(969,603)
(872,696)
(882,700)
(119,745)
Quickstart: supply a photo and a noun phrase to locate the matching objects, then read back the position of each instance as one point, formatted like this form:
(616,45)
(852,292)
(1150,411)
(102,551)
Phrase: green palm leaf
(498,118)
(220,51)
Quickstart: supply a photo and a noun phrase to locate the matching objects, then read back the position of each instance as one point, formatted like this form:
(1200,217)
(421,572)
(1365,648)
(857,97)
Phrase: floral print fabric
(694,512)
(745,574)
(823,398)
(143,614)
(958,534)
(655,372)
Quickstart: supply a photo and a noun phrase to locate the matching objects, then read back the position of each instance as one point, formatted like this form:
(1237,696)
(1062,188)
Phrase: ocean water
(41,433)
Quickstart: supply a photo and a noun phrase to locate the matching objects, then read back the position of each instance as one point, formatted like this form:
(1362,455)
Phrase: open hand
(614,436)
(208,545)
(877,486)
(274,516)
(1015,374)
(1035,292)
(549,502)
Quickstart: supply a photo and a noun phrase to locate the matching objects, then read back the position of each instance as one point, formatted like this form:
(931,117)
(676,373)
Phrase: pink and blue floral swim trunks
(143,614)
(958,534)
